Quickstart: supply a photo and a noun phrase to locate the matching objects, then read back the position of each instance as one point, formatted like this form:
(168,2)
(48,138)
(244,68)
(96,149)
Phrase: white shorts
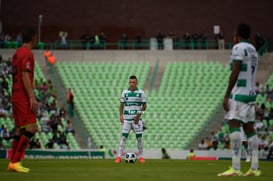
(241,111)
(130,125)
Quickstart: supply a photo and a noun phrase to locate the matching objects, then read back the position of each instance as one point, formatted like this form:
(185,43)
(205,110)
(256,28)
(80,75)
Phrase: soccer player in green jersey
(239,102)
(132,106)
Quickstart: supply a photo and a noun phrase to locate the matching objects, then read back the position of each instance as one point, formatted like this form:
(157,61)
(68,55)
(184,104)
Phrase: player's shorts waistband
(131,120)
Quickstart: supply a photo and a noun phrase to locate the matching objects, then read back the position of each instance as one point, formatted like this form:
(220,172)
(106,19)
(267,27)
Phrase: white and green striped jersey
(244,90)
(133,101)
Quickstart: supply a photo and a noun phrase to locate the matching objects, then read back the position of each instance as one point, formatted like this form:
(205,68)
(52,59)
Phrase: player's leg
(252,144)
(17,135)
(15,142)
(138,129)
(235,139)
(14,145)
(26,121)
(28,133)
(245,144)
(126,128)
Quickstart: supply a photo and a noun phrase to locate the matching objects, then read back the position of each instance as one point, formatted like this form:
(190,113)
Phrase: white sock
(140,146)
(236,144)
(121,145)
(253,151)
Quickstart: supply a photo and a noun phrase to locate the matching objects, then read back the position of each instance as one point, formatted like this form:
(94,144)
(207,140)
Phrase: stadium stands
(45,100)
(187,97)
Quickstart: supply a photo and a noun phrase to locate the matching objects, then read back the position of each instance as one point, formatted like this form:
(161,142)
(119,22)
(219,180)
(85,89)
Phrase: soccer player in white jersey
(239,102)
(132,106)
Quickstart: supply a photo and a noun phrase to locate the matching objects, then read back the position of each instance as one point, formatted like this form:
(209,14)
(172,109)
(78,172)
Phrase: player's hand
(226,104)
(136,119)
(33,104)
(121,118)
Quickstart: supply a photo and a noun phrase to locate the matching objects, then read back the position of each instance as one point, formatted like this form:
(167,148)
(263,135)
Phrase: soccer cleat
(230,172)
(141,160)
(10,167)
(118,160)
(17,167)
(252,172)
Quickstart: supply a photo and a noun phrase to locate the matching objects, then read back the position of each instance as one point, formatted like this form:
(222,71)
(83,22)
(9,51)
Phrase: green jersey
(133,101)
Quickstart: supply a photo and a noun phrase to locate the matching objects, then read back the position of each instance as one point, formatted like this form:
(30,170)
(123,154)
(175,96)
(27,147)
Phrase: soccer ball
(130,157)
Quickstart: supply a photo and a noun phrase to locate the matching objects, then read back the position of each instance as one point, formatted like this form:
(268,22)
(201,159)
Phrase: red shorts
(22,114)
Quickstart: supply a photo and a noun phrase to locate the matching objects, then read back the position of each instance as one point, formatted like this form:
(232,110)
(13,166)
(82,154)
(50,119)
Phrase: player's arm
(143,108)
(29,90)
(232,81)
(121,107)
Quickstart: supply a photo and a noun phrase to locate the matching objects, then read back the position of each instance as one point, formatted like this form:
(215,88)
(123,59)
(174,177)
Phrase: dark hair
(28,34)
(243,31)
(133,77)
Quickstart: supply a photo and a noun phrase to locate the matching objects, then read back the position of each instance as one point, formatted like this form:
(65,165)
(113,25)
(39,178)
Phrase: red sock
(22,146)
(14,146)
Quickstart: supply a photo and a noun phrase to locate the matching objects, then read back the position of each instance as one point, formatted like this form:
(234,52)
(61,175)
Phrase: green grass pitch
(104,170)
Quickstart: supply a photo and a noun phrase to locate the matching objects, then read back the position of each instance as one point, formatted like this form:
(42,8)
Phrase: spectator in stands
(226,142)
(187,40)
(7,38)
(69,128)
(204,41)
(102,39)
(5,84)
(34,144)
(263,142)
(160,37)
(202,145)
(258,125)
(191,154)
(63,142)
(56,137)
(50,144)
(84,39)
(221,41)
(1,131)
(259,88)
(214,143)
(70,101)
(5,133)
(54,122)
(3,112)
(195,40)
(124,41)
(19,39)
(207,143)
(138,41)
(62,112)
(63,40)
(267,89)
(102,148)
(45,123)
(165,154)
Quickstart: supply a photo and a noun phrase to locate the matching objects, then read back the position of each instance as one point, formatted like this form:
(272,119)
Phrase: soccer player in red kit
(24,103)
